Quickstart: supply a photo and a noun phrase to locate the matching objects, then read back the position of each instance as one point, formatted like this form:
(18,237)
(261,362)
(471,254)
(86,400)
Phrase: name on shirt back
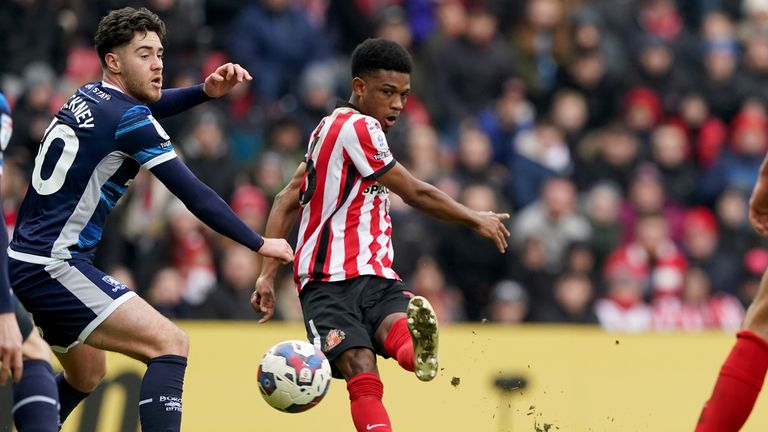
(81,112)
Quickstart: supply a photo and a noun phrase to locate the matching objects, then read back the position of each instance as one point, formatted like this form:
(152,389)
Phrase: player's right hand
(277,248)
(10,348)
(758,217)
(758,207)
(263,298)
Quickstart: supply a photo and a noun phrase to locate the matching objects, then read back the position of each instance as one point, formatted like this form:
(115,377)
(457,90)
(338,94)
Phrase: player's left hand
(758,210)
(10,348)
(224,79)
(263,298)
(758,217)
(491,225)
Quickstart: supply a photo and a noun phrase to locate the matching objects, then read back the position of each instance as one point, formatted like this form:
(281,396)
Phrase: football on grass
(294,376)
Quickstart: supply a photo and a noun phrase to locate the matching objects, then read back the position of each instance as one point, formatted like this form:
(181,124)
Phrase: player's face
(382,95)
(142,66)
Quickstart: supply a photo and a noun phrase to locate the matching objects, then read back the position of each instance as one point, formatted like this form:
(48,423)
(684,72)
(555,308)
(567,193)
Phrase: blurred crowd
(624,137)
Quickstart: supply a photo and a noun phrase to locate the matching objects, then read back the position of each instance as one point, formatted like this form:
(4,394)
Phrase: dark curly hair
(118,26)
(380,54)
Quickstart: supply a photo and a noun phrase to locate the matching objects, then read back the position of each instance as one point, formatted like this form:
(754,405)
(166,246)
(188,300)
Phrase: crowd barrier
(576,379)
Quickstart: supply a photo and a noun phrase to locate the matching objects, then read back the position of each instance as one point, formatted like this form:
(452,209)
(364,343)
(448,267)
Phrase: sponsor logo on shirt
(376,189)
(101,93)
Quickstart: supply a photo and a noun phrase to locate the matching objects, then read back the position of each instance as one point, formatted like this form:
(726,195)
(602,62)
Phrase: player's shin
(69,397)
(737,386)
(368,412)
(160,394)
(399,344)
(35,399)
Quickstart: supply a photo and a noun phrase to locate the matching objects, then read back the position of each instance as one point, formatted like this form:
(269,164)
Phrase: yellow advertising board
(578,379)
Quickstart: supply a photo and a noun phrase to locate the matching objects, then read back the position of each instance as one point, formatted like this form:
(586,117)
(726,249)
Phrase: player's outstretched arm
(281,218)
(438,204)
(219,83)
(208,206)
(758,202)
(177,100)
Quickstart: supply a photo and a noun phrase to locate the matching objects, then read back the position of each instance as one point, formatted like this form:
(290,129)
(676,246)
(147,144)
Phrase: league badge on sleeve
(160,131)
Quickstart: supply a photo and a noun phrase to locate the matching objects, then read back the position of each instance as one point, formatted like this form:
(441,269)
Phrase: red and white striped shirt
(345,228)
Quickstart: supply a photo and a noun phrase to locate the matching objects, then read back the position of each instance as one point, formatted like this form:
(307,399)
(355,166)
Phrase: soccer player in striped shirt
(89,154)
(743,372)
(355,306)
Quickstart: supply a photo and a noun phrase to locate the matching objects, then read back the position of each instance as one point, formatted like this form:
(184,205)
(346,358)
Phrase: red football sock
(737,386)
(399,344)
(368,412)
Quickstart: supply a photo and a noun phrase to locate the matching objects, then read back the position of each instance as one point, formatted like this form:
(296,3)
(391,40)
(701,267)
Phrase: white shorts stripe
(60,349)
(160,159)
(32,259)
(104,315)
(145,401)
(80,286)
(315,334)
(33,399)
(87,292)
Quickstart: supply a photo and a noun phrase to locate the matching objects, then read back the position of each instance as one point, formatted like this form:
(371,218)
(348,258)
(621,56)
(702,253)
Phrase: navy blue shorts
(68,299)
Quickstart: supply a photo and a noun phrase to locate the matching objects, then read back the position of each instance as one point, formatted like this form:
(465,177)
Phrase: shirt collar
(346,104)
(111,86)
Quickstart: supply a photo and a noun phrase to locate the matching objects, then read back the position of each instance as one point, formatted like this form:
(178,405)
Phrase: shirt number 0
(64,137)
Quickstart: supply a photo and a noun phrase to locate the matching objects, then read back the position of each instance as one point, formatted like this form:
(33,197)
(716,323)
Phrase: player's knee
(182,343)
(87,372)
(356,361)
(175,341)
(88,378)
(95,377)
(35,348)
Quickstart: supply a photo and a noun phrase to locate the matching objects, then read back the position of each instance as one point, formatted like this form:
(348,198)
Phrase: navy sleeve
(177,100)
(5,285)
(204,203)
(6,129)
